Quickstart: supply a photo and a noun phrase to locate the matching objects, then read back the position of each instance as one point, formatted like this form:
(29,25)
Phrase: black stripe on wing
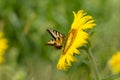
(55,34)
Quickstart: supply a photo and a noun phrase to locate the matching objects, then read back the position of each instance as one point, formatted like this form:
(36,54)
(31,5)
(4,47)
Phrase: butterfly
(57,38)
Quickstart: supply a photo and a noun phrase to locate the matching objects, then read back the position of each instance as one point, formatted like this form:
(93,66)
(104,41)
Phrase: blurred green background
(25,22)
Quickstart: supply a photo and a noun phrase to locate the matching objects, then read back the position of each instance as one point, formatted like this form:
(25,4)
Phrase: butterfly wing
(57,38)
(55,34)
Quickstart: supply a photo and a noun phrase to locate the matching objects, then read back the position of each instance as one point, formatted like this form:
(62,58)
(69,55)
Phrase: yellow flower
(76,38)
(3,46)
(114,63)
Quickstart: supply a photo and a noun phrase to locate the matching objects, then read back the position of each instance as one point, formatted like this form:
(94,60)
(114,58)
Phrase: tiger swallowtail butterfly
(57,39)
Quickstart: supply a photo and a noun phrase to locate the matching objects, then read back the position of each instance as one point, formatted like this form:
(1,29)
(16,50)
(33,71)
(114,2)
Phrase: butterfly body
(57,40)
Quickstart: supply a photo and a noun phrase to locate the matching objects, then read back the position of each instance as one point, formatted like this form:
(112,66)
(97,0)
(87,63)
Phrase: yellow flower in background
(76,38)
(3,46)
(114,63)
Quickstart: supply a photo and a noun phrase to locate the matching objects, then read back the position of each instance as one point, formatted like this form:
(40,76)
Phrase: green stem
(93,64)
(112,77)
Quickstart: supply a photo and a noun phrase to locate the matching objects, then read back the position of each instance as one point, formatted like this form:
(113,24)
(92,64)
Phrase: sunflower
(76,38)
(114,63)
(3,46)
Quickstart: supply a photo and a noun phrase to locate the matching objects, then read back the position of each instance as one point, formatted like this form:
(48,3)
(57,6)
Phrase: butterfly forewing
(57,38)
